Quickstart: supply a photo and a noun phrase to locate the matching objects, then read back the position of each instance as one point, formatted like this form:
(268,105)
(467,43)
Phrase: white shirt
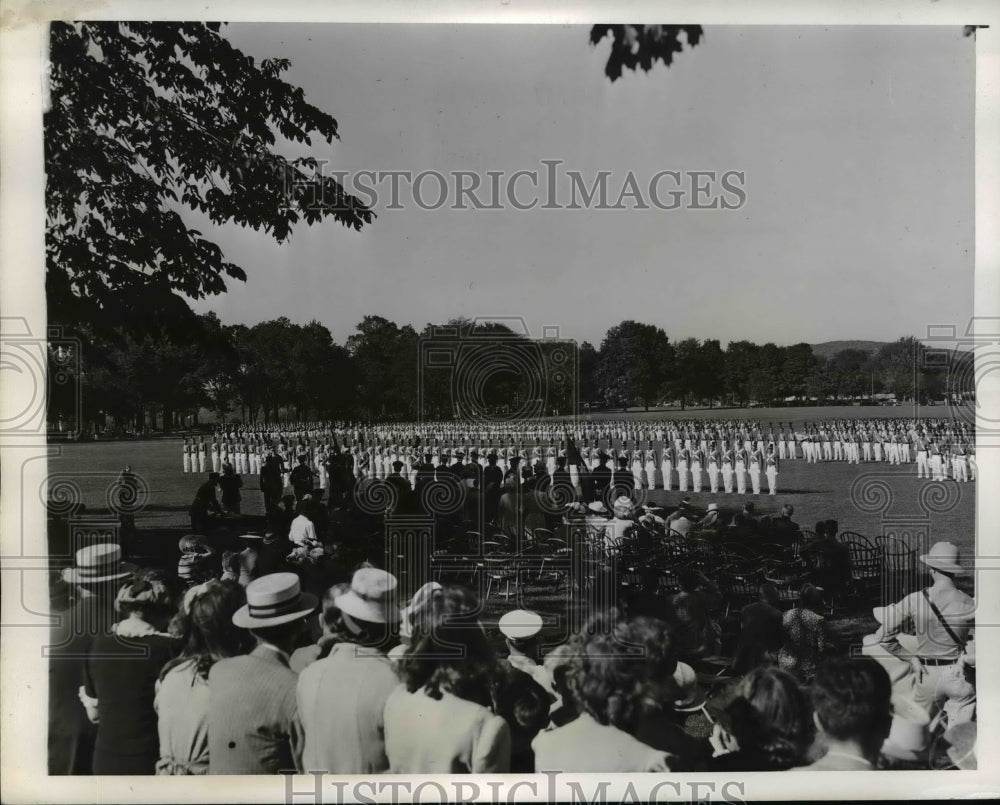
(302,530)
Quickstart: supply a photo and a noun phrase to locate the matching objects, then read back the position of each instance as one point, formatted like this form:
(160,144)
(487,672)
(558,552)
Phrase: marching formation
(717,455)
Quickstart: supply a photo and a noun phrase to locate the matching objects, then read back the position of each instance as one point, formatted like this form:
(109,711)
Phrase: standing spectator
(95,578)
(230,484)
(253,718)
(804,635)
(301,478)
(120,677)
(614,688)
(853,713)
(181,701)
(341,698)
(271,478)
(770,725)
(448,675)
(204,502)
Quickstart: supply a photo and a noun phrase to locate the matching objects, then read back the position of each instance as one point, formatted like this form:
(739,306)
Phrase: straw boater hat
(369,598)
(909,735)
(272,600)
(597,507)
(520,624)
(943,556)
(96,563)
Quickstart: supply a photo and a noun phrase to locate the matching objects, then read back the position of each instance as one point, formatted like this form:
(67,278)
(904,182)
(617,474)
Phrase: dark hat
(397,465)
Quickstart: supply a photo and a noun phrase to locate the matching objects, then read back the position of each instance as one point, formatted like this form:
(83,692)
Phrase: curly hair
(622,666)
(449,651)
(207,630)
(771,719)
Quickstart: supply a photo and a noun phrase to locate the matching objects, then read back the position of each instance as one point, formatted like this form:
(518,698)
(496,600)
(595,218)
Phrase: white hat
(713,507)
(690,694)
(597,507)
(520,624)
(909,735)
(100,562)
(369,597)
(272,600)
(943,556)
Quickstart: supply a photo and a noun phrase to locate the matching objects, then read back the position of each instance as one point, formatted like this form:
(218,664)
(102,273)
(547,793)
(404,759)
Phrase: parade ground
(869,498)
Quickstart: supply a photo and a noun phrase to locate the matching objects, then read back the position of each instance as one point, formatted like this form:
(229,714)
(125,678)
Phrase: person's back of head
(771,718)
(851,700)
(769,594)
(787,510)
(820,528)
(832,529)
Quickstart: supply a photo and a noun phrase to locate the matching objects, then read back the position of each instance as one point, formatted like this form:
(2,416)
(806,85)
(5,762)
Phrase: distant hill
(829,348)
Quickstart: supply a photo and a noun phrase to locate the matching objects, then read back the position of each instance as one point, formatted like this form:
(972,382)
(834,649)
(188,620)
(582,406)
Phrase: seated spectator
(207,634)
(614,688)
(448,674)
(739,530)
(695,631)
(829,560)
(769,727)
(198,562)
(853,713)
(761,632)
(784,531)
(804,632)
(302,531)
(711,520)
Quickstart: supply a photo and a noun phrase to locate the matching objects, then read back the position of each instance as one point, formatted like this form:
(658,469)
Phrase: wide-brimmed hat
(909,735)
(96,563)
(250,536)
(520,624)
(369,598)
(272,600)
(943,556)
(690,694)
(597,507)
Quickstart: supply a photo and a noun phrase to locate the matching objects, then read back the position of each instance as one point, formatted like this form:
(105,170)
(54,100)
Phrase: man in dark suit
(425,475)
(492,486)
(401,486)
(601,476)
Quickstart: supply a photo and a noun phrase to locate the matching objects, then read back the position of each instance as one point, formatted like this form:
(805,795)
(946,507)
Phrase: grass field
(868,498)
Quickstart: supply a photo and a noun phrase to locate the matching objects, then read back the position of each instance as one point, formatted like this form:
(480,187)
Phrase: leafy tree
(687,357)
(711,371)
(641,46)
(798,366)
(739,365)
(635,362)
(386,357)
(147,120)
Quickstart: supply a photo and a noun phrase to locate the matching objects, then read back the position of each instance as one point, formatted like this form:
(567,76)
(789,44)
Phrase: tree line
(278,370)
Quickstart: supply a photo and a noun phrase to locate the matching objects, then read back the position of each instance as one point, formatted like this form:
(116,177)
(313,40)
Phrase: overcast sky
(856,145)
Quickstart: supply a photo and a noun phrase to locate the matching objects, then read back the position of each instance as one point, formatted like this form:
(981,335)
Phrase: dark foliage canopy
(148,120)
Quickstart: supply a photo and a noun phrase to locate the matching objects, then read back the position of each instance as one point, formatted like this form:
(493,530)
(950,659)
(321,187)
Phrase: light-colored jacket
(443,736)
(341,700)
(253,720)
(584,746)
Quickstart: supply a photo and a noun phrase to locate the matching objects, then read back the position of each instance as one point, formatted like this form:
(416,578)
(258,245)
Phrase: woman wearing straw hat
(253,719)
(943,617)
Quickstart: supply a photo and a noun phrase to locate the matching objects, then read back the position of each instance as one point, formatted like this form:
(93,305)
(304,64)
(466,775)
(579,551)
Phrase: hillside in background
(829,348)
